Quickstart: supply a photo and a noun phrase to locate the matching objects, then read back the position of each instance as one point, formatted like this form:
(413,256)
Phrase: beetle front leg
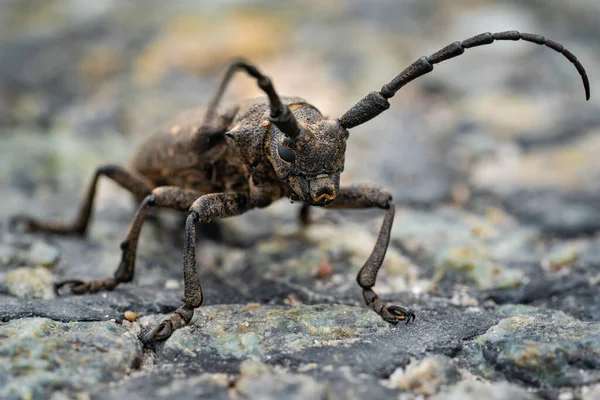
(367,196)
(205,209)
(137,185)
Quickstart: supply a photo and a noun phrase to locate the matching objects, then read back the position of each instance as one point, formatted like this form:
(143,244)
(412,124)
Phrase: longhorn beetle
(223,164)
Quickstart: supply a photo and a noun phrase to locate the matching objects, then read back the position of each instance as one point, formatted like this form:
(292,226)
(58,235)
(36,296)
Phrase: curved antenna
(375,103)
(280,114)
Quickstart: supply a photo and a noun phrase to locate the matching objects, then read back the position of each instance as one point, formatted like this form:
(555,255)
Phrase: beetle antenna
(280,114)
(375,103)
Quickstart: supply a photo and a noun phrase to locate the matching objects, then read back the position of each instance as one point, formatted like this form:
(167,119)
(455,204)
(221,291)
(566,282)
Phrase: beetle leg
(366,196)
(304,215)
(165,197)
(205,209)
(136,185)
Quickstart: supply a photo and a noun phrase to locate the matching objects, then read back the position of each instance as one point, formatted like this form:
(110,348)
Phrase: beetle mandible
(220,165)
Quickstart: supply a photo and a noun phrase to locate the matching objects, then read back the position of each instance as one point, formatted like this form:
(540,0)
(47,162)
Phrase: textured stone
(543,348)
(164,385)
(258,381)
(27,251)
(219,337)
(425,377)
(557,212)
(40,356)
(254,380)
(474,390)
(42,254)
(29,282)
(459,244)
(113,305)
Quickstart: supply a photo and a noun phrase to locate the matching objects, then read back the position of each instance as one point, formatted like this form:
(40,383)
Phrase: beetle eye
(285,153)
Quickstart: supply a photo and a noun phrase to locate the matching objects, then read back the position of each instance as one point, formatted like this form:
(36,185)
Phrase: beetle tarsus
(394,314)
(183,315)
(78,287)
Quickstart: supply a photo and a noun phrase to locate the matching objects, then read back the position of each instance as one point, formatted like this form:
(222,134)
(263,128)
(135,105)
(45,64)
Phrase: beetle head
(311,161)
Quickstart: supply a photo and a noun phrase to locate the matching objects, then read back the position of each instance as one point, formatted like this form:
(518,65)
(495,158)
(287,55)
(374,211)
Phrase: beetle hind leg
(138,186)
(164,197)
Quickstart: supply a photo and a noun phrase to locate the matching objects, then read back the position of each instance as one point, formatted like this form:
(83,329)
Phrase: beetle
(221,164)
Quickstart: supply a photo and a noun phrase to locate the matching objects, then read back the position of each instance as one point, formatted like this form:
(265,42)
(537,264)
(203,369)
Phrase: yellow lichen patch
(251,306)
(495,215)
(481,229)
(35,282)
(199,45)
(463,258)
(99,63)
(531,356)
(560,258)
(22,20)
(476,264)
(342,333)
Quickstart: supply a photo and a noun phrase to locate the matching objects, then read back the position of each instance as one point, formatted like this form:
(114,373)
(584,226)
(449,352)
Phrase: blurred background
(80,81)
(502,126)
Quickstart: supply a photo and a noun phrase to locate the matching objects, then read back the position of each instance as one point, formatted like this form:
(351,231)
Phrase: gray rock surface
(543,348)
(333,335)
(491,158)
(40,356)
(478,390)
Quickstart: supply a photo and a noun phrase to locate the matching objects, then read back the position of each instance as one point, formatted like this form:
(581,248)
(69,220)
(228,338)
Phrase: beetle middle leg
(138,186)
(205,209)
(367,196)
(164,197)
(304,215)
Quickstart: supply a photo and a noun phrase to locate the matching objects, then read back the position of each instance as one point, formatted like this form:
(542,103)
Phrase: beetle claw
(71,282)
(160,332)
(395,314)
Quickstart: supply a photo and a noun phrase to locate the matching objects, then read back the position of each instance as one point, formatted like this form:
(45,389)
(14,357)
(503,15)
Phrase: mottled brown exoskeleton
(223,164)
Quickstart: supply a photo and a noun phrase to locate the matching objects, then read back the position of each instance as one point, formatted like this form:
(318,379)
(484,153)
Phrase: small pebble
(324,270)
(291,300)
(43,254)
(130,316)
(250,306)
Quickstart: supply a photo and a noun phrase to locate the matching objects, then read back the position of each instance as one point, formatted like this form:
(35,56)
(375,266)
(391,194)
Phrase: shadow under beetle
(219,165)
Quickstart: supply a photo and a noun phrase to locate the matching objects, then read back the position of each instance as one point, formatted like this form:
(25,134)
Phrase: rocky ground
(492,160)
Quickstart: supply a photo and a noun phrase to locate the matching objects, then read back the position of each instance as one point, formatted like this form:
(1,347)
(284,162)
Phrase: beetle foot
(392,314)
(80,287)
(162,331)
(395,314)
(27,223)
